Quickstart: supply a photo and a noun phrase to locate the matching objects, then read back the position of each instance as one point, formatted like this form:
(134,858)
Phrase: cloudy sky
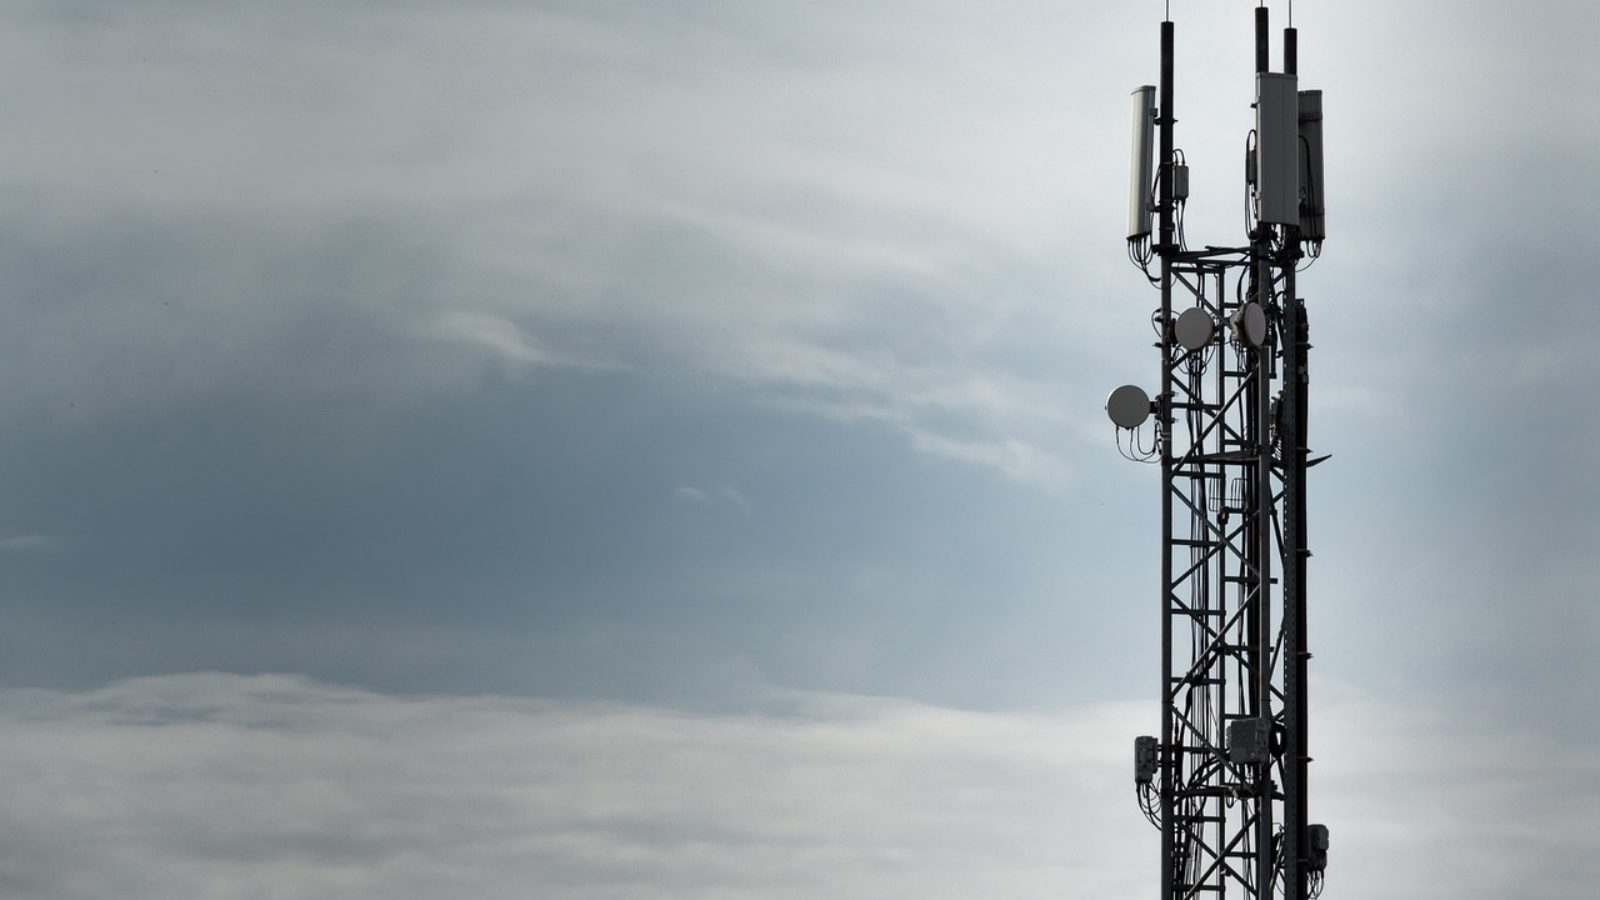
(619,450)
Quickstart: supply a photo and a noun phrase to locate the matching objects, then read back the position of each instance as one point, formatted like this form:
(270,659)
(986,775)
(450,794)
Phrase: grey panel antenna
(1313,227)
(1277,149)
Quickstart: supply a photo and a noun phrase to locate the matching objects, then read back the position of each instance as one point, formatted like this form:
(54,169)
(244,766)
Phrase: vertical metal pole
(1220,391)
(1293,456)
(1263,639)
(1294,445)
(1261,251)
(1262,63)
(1169,776)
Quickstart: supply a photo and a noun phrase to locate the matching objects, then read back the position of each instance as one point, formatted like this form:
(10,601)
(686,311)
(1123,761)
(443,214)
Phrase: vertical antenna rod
(1164,430)
(1261,38)
(1293,459)
(1261,543)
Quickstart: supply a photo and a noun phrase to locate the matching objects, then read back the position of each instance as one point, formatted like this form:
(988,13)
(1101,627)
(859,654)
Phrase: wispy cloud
(722,494)
(690,494)
(583,187)
(32,543)
(1020,461)
(503,340)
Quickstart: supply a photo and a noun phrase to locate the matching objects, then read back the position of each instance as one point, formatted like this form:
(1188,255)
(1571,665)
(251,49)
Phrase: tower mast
(1226,782)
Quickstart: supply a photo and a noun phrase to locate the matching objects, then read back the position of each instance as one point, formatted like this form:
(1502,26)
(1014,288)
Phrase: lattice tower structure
(1226,782)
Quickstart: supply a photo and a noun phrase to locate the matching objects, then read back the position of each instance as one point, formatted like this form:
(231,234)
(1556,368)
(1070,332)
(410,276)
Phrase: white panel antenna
(1142,164)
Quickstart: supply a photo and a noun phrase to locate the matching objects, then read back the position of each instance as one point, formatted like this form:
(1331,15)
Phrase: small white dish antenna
(1128,406)
(1250,325)
(1194,328)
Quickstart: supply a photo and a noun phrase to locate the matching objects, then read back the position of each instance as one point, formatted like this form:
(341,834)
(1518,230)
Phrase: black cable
(1249,208)
(1179,159)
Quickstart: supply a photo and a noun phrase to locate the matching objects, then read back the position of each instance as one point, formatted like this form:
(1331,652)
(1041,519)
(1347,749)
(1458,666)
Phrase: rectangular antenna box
(1277,148)
(1248,740)
(1317,847)
(1144,759)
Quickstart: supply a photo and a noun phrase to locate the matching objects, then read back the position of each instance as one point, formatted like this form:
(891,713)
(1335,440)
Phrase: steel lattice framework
(1226,781)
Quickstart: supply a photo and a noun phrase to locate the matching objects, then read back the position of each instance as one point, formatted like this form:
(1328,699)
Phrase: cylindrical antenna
(1261,39)
(1291,51)
(1164,138)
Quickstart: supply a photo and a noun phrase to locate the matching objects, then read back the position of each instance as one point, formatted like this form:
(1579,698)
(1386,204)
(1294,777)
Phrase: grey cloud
(326,317)
(1424,794)
(374,344)
(220,786)
(211,785)
(327,530)
(568,171)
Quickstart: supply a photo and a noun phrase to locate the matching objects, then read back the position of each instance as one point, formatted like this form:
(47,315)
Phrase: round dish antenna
(1250,325)
(1194,328)
(1128,406)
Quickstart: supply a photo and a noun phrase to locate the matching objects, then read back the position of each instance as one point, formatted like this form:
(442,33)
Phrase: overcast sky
(656,450)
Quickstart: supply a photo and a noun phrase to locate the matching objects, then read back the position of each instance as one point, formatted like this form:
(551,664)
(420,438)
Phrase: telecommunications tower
(1226,780)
